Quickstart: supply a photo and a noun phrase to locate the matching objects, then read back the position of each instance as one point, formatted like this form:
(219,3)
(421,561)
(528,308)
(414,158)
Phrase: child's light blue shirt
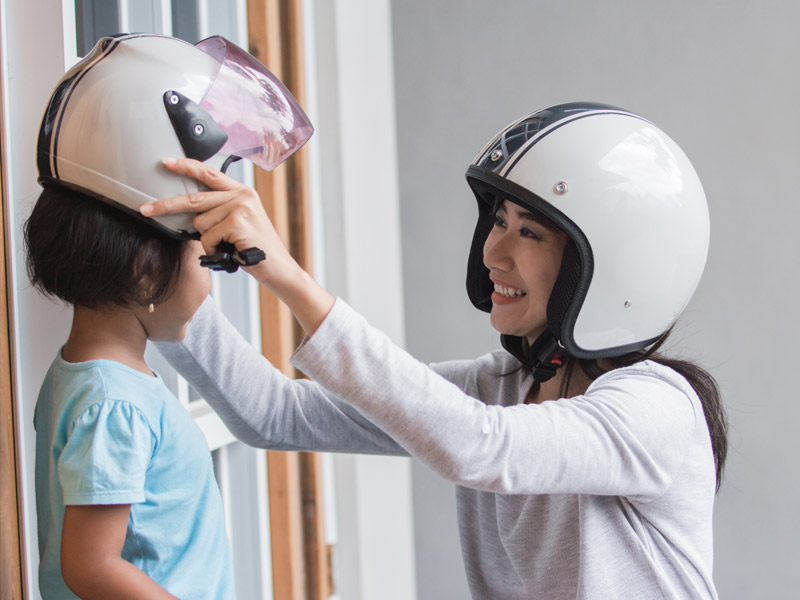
(108,434)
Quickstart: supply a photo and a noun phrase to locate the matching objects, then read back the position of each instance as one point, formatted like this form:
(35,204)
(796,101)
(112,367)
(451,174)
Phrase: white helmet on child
(138,98)
(635,213)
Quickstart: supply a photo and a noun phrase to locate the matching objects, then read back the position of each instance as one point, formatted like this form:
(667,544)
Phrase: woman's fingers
(244,202)
(243,233)
(222,189)
(232,212)
(231,209)
(234,225)
(197,202)
(213,178)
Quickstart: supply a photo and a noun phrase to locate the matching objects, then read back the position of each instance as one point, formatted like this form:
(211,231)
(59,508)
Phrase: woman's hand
(231,211)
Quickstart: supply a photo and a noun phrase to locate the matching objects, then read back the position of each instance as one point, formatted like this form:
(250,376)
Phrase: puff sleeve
(106,454)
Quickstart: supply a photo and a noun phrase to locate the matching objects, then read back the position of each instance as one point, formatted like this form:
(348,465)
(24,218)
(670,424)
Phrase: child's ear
(148,288)
(145,290)
(143,274)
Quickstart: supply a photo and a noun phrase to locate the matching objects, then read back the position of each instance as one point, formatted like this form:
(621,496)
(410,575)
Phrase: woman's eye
(498,221)
(525,232)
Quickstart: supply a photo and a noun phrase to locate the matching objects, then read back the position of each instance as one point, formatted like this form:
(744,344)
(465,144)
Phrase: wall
(719,77)
(37,324)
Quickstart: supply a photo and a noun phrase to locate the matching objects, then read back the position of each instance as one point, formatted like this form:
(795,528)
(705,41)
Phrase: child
(127,503)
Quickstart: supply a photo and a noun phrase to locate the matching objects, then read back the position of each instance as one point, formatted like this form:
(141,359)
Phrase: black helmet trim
(577,263)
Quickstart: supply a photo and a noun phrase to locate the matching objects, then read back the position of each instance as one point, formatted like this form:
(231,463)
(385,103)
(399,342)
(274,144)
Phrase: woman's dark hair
(701,380)
(89,253)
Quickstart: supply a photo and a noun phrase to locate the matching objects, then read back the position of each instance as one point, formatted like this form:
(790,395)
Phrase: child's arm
(91,561)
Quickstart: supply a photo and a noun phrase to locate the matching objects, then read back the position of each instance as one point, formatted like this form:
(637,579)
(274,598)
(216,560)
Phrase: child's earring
(150,307)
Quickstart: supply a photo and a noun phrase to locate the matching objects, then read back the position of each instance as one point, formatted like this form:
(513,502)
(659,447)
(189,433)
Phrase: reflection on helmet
(633,208)
(138,98)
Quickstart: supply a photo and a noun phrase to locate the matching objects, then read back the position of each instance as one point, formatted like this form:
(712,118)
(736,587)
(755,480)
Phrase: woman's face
(523,257)
(170,318)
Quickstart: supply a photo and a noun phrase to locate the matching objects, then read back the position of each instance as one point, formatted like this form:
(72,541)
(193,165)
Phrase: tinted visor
(264,122)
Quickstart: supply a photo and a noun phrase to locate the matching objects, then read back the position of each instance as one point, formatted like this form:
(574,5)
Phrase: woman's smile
(506,294)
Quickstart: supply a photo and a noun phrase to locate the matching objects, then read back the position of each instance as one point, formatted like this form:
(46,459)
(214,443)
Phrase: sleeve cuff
(108,498)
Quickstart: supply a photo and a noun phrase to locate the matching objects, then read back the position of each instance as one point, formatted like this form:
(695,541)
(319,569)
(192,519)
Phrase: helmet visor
(264,122)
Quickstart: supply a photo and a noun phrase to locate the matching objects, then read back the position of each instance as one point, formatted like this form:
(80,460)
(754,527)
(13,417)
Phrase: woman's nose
(496,251)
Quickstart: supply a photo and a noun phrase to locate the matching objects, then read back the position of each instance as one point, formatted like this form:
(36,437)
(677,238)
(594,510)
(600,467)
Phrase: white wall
(719,77)
(38,327)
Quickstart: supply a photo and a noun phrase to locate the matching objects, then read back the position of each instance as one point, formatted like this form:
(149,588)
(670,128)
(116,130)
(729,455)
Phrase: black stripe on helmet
(540,123)
(48,132)
(48,126)
(563,122)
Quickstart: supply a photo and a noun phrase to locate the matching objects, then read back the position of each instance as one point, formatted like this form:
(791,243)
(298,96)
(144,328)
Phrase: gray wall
(722,79)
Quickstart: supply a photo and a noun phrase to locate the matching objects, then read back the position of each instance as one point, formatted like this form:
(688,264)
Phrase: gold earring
(151,308)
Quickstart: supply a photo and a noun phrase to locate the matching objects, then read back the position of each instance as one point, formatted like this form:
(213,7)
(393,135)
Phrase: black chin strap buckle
(547,355)
(543,357)
(228,259)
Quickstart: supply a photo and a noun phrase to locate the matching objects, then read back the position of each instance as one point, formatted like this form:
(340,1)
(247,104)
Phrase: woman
(585,466)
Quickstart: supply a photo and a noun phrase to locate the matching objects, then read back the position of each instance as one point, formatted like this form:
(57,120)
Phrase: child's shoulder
(84,384)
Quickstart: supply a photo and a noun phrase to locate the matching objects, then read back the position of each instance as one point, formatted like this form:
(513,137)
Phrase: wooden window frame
(300,555)
(10,549)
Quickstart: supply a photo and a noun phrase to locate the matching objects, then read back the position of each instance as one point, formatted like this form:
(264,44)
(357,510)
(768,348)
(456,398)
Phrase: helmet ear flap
(564,290)
(479,286)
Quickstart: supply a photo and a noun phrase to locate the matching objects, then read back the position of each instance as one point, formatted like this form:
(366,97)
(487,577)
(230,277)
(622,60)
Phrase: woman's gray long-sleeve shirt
(600,496)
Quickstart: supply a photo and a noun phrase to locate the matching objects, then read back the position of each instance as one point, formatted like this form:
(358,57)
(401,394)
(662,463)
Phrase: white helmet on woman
(138,98)
(635,213)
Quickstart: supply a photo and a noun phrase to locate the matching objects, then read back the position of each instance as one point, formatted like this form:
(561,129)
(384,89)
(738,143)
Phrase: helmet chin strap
(543,357)
(227,258)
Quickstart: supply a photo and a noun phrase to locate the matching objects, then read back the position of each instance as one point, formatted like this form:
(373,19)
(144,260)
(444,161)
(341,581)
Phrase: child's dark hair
(91,254)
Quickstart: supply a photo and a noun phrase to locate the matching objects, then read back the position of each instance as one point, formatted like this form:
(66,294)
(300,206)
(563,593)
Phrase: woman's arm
(627,441)
(259,404)
(91,556)
(628,435)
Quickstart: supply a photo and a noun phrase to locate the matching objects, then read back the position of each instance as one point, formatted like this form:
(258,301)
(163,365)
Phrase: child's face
(170,318)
